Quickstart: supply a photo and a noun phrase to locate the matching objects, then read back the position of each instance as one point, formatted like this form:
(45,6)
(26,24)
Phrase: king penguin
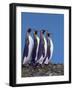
(35,48)
(42,48)
(29,43)
(49,48)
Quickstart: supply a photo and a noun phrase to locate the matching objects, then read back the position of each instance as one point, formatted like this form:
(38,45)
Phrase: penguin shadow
(7,83)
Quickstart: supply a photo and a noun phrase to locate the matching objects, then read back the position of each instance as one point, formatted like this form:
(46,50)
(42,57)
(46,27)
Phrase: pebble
(49,70)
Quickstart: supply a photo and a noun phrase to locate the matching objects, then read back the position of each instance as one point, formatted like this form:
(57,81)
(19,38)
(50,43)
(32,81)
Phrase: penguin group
(37,49)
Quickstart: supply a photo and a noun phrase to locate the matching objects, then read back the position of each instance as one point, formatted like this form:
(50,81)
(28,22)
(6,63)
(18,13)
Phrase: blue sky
(53,23)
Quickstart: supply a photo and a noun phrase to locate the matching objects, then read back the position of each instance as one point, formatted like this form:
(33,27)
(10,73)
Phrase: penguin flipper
(25,53)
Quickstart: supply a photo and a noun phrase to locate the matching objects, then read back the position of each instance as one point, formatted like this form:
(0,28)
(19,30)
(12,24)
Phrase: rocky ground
(44,70)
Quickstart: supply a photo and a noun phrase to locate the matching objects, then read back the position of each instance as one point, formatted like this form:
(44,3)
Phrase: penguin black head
(35,32)
(43,31)
(29,30)
(48,34)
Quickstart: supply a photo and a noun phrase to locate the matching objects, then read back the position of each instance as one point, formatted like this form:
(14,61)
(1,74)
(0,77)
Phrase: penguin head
(43,31)
(29,30)
(35,32)
(48,34)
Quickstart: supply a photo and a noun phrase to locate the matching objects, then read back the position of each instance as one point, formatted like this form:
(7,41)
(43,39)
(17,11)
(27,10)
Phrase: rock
(43,70)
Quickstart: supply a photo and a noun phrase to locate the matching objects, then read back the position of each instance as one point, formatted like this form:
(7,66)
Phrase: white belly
(30,48)
(40,61)
(37,48)
(51,52)
(45,46)
(31,44)
(51,48)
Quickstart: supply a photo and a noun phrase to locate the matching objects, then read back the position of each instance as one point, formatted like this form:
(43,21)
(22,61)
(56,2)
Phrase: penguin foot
(25,65)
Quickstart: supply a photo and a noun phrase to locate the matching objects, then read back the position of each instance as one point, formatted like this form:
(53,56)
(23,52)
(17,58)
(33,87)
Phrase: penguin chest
(30,47)
(37,49)
(45,46)
(42,57)
(50,48)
